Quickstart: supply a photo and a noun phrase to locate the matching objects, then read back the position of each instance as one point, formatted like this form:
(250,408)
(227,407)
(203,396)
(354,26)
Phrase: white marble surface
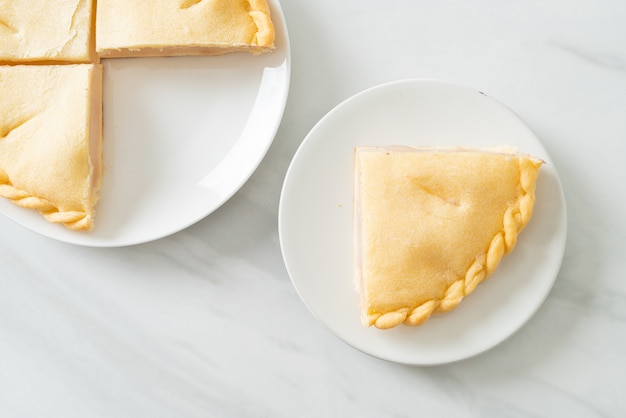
(206,323)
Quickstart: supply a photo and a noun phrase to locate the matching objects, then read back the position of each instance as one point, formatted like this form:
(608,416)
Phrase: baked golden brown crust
(44,31)
(142,28)
(51,115)
(431,224)
(50,140)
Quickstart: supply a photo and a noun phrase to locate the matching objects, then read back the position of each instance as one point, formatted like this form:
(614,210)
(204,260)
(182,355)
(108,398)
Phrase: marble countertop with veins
(206,322)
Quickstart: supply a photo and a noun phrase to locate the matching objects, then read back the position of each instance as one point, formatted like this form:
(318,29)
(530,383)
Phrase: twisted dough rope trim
(74,220)
(515,218)
(260,14)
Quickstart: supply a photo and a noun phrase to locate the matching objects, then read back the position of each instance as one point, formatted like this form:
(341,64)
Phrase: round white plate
(316,224)
(182,135)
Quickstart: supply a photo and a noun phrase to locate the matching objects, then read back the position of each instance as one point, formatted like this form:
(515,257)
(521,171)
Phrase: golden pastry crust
(431,224)
(142,28)
(50,140)
(44,31)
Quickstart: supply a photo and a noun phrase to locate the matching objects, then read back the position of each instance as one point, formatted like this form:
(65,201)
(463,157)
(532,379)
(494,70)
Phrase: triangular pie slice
(431,224)
(44,31)
(51,140)
(143,28)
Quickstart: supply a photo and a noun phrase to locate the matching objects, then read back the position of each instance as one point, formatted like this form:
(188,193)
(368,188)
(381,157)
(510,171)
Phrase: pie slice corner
(46,32)
(182,27)
(433,223)
(51,140)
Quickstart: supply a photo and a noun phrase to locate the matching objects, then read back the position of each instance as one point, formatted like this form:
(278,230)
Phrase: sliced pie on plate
(431,224)
(144,28)
(41,31)
(51,140)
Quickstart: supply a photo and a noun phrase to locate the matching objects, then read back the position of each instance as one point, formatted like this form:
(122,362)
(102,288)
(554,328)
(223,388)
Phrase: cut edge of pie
(73,163)
(220,28)
(514,219)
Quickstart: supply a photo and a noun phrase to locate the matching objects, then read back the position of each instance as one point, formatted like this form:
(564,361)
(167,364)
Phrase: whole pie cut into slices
(46,31)
(143,28)
(51,140)
(431,224)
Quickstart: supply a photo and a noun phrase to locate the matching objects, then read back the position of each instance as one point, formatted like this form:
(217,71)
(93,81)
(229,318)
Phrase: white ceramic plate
(182,135)
(316,230)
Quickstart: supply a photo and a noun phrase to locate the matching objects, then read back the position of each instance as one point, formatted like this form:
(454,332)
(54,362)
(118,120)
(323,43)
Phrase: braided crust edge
(260,14)
(515,218)
(75,220)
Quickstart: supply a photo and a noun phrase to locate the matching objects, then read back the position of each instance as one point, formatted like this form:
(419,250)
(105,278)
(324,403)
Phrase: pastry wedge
(431,224)
(51,140)
(44,31)
(157,28)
